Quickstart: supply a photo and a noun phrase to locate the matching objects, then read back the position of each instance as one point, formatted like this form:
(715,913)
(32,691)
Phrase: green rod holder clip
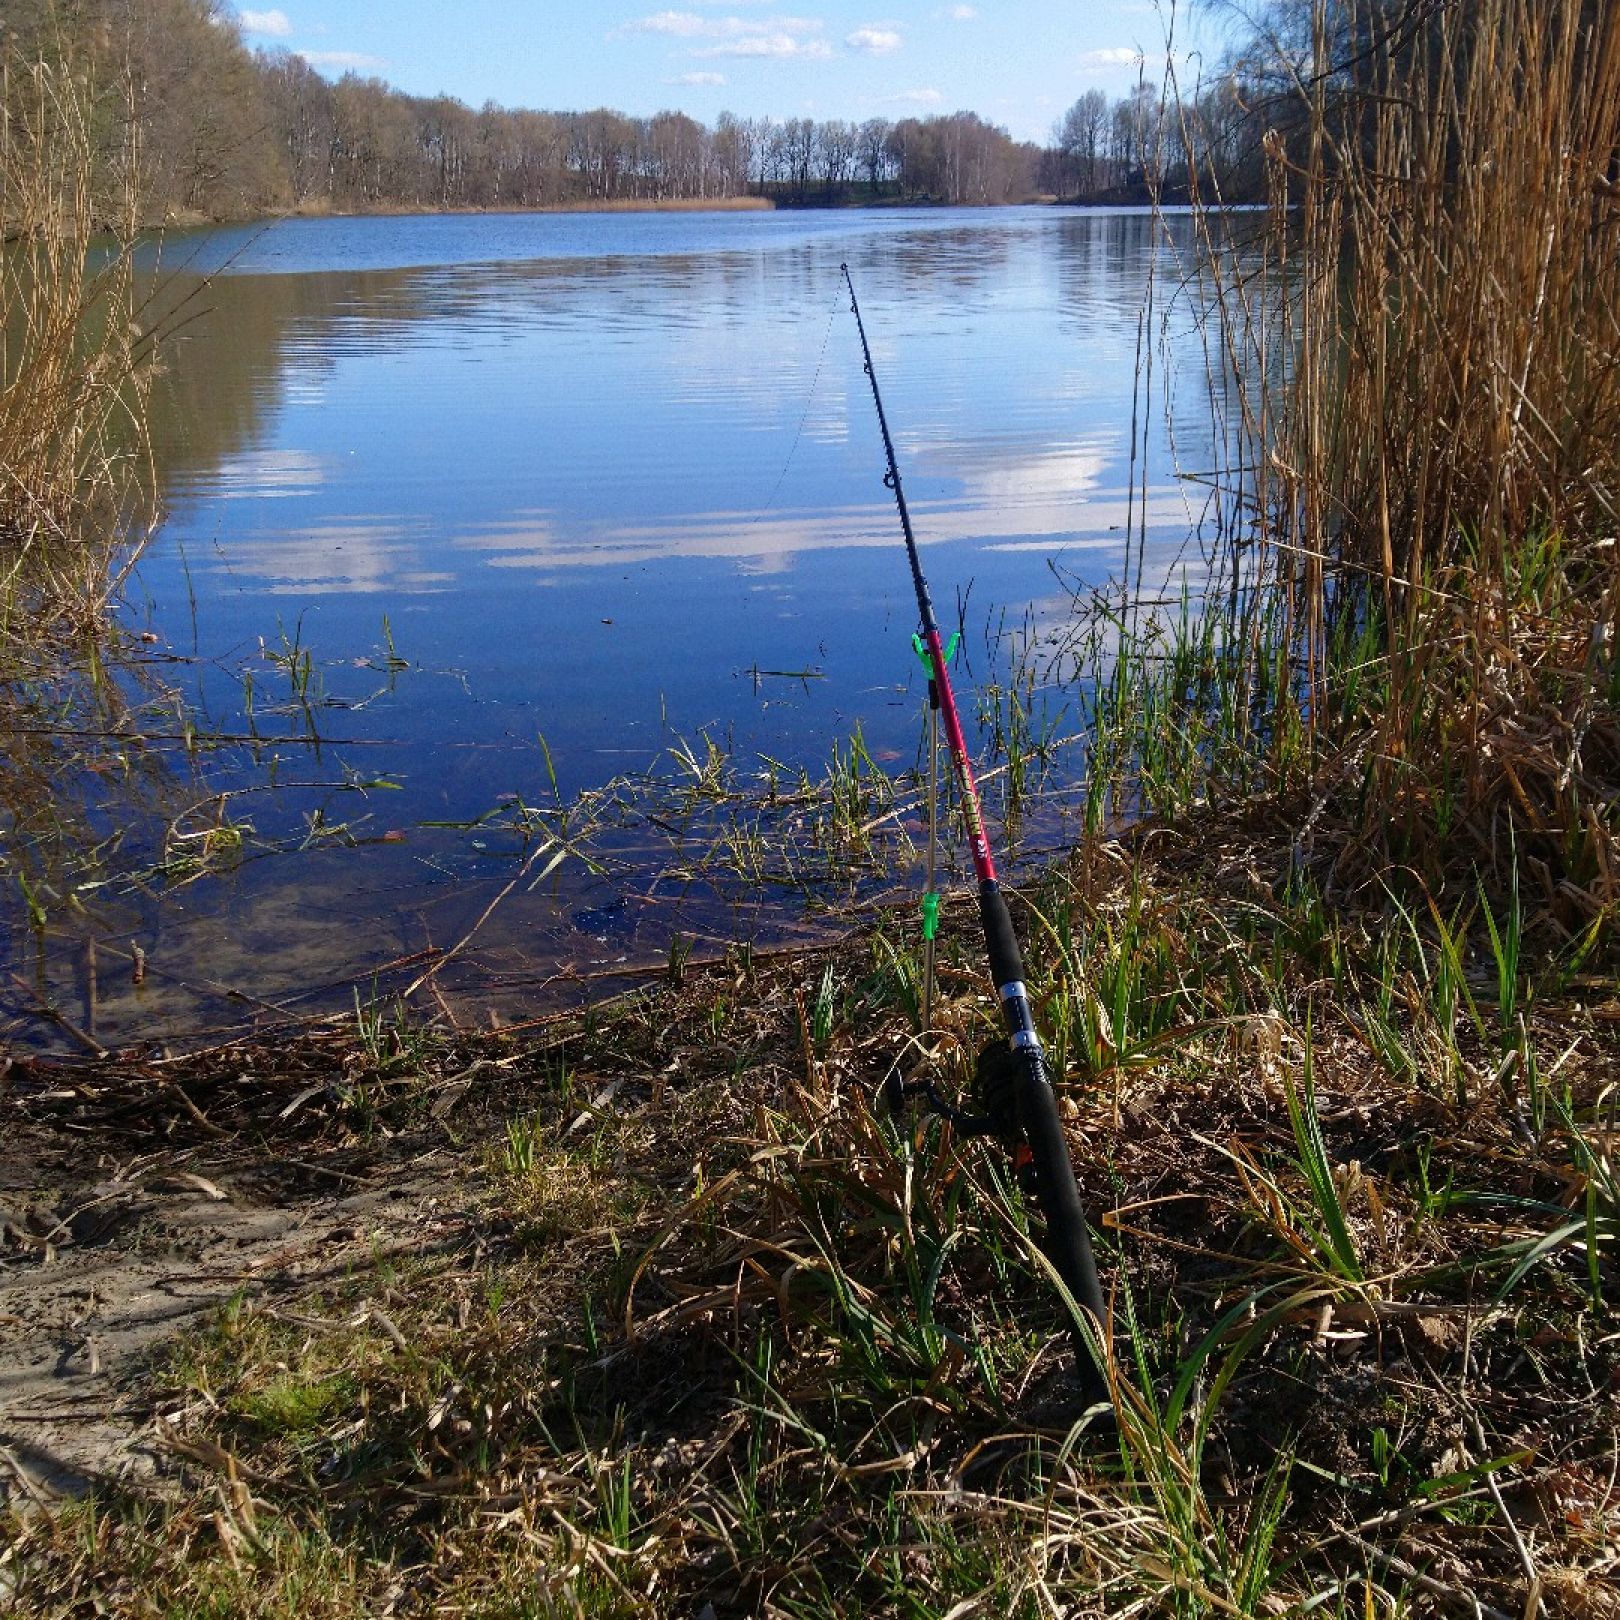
(920,647)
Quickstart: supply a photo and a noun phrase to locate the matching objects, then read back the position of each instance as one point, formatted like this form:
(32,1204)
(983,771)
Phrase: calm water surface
(437,490)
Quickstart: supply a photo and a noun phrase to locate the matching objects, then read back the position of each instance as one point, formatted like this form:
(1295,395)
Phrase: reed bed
(1426,363)
(73,454)
(75,486)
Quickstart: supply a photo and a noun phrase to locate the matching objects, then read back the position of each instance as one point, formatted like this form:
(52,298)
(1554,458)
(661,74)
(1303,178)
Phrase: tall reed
(73,384)
(1427,367)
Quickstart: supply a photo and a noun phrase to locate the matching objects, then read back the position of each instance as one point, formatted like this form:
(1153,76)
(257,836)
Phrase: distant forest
(222,131)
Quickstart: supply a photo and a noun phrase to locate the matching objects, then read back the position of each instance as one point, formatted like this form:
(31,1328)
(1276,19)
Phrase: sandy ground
(104,1262)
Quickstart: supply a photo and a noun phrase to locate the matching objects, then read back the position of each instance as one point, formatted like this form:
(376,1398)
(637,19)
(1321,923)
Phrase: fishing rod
(1013,1081)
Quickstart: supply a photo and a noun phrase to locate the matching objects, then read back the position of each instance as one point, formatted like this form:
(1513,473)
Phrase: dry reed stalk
(1455,226)
(73,449)
(1428,371)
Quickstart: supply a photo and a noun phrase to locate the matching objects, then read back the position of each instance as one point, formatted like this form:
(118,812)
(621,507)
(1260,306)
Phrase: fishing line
(810,399)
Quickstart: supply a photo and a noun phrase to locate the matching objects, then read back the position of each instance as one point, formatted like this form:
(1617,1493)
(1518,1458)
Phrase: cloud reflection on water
(1048,499)
(268,474)
(341,557)
(1027,506)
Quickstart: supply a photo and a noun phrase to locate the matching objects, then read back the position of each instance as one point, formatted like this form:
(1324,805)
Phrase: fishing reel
(995,1076)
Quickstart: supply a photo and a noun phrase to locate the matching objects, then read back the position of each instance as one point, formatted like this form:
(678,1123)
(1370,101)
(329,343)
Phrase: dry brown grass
(699,1329)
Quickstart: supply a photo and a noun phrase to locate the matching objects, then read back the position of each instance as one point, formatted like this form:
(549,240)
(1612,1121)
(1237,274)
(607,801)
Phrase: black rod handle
(1068,1242)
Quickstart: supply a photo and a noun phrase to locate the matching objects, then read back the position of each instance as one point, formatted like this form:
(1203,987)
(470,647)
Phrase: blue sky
(1016,62)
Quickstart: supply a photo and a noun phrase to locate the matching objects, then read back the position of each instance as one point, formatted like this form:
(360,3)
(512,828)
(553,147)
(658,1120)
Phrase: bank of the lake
(650,1307)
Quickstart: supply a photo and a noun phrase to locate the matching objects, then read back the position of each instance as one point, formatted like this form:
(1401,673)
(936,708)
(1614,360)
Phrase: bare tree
(837,144)
(676,144)
(872,150)
(1079,137)
(298,103)
(731,150)
(799,155)
(601,150)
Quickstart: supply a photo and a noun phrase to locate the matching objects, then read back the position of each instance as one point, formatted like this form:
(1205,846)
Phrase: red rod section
(978,841)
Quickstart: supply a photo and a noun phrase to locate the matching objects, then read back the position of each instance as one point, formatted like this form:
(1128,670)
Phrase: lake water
(491,513)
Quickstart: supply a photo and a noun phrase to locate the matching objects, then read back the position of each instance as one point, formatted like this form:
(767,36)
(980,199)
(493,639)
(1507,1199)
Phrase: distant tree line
(359,143)
(225,131)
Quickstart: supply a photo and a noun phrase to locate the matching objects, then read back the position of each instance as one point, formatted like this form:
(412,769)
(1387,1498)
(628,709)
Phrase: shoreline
(659,1188)
(182,220)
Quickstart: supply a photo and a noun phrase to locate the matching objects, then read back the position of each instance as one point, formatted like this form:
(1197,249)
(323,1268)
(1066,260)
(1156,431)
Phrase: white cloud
(781,47)
(689,25)
(697,78)
(962,13)
(346,60)
(927,97)
(778,38)
(874,41)
(682,24)
(273,23)
(1110,59)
